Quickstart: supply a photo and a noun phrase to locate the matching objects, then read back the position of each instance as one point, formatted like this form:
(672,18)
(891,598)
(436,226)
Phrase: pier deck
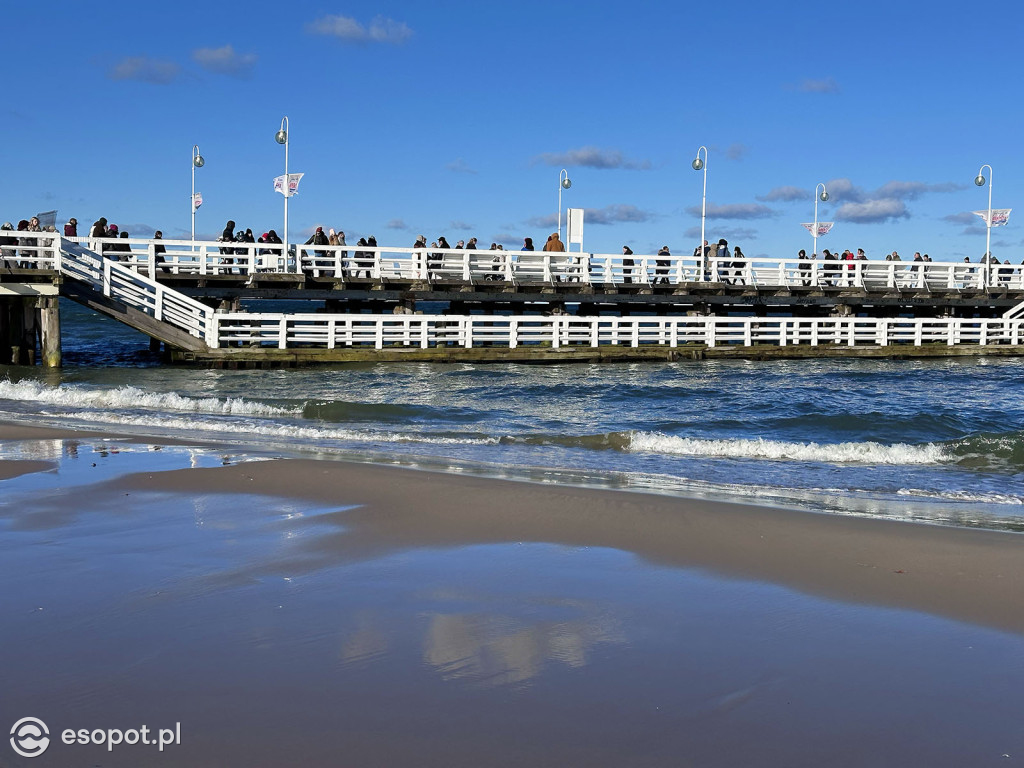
(402,304)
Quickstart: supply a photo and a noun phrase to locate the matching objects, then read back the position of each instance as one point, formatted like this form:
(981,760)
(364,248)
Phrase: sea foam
(128,397)
(759,448)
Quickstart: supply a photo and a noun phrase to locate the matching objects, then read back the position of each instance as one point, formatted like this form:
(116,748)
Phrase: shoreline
(964,574)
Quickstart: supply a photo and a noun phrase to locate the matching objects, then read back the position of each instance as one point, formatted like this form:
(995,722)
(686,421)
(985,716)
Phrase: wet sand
(15,467)
(335,613)
(966,575)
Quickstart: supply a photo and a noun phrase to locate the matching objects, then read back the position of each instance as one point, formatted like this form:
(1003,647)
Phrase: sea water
(938,441)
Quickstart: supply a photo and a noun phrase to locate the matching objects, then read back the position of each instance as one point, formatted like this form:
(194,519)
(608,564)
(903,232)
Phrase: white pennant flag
(1000,216)
(823,227)
(293,184)
(197,200)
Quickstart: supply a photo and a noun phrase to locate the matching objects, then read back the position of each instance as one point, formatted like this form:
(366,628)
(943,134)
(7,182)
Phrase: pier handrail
(121,283)
(375,331)
(353,263)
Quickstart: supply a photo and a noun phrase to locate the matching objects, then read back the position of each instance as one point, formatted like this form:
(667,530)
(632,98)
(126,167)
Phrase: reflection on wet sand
(494,649)
(366,642)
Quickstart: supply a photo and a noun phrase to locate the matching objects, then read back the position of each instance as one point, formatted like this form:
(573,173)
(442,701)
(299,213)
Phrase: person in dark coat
(158,252)
(627,265)
(662,264)
(738,265)
(71,228)
(124,250)
(318,238)
(227,236)
(437,258)
(112,249)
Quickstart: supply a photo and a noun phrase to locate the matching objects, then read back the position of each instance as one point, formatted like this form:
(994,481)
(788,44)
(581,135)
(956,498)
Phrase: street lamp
(702,165)
(980,181)
(823,196)
(281,137)
(197,162)
(563,183)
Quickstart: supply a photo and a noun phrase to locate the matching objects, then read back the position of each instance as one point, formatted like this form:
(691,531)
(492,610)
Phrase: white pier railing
(358,264)
(123,282)
(323,331)
(127,286)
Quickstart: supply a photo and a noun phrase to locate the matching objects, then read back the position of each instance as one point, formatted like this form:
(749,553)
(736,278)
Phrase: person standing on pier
(738,265)
(318,238)
(555,245)
(662,263)
(627,265)
(228,236)
(71,228)
(437,258)
(159,250)
(805,269)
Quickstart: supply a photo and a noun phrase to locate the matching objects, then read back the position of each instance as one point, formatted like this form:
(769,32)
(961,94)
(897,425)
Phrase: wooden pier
(253,307)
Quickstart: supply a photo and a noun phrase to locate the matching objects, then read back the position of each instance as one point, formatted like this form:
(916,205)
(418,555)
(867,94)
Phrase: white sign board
(575,226)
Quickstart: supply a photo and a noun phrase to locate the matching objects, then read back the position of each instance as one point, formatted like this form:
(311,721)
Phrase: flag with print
(1000,216)
(824,227)
(293,184)
(197,200)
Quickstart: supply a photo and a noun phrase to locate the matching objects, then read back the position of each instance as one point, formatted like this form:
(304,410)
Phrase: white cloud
(967,218)
(735,211)
(825,85)
(786,195)
(734,235)
(460,166)
(348,30)
(872,211)
(225,61)
(145,69)
(911,190)
(544,222)
(614,214)
(592,157)
(736,151)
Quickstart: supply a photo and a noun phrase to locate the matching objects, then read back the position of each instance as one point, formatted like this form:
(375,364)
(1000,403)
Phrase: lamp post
(563,183)
(197,162)
(980,181)
(823,196)
(281,137)
(702,165)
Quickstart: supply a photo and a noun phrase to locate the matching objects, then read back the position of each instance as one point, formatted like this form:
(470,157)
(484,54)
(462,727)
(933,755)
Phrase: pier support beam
(17,330)
(49,331)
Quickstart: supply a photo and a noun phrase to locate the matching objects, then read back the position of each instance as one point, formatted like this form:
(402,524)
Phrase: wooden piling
(48,310)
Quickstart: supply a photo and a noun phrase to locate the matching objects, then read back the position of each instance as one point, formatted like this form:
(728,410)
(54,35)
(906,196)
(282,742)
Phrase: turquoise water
(934,441)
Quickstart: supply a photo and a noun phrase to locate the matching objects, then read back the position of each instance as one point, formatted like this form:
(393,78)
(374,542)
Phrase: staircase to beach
(134,299)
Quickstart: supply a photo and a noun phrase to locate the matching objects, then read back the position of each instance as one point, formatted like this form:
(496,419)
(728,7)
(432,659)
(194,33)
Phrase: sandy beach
(333,613)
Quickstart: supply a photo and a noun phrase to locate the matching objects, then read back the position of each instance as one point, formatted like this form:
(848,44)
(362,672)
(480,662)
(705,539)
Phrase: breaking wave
(776,450)
(71,396)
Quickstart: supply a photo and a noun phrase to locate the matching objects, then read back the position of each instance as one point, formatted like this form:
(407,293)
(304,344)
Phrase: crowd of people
(15,249)
(18,248)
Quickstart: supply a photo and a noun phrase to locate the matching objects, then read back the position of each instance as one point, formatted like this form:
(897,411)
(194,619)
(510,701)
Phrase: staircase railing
(143,293)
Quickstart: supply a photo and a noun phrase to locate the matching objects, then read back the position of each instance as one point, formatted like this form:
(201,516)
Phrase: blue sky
(455,118)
